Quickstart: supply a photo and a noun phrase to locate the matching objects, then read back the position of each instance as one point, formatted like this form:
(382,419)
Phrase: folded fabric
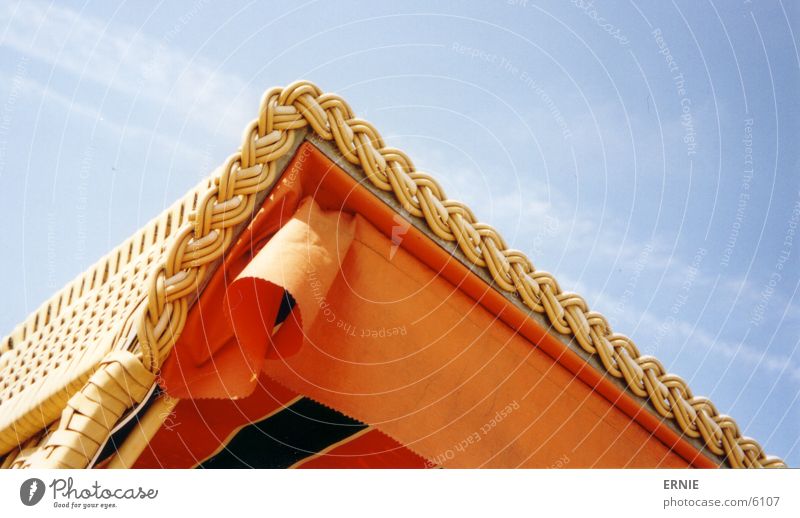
(223,348)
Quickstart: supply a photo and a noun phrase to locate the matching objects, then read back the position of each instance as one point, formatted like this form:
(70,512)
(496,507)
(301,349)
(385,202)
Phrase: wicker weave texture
(51,355)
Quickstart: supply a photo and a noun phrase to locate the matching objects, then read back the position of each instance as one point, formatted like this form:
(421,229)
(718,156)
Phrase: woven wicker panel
(51,355)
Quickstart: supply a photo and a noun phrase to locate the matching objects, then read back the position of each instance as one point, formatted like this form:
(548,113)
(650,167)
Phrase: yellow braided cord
(231,200)
(245,173)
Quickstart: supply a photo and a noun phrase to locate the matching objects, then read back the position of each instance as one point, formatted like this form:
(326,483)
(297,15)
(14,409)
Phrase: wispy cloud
(130,62)
(739,353)
(556,225)
(33,88)
(678,334)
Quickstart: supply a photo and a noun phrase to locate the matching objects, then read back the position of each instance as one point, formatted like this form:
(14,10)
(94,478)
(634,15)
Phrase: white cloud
(743,355)
(35,89)
(129,62)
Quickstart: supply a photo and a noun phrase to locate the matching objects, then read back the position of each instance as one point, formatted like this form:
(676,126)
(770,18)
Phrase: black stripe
(286,307)
(279,441)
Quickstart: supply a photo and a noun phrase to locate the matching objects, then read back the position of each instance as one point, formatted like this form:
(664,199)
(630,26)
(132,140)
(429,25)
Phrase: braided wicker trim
(231,200)
(52,354)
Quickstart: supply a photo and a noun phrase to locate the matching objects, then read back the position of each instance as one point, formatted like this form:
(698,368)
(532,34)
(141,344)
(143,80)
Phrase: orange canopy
(328,297)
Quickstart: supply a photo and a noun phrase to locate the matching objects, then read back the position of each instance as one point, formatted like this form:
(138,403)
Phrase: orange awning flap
(221,355)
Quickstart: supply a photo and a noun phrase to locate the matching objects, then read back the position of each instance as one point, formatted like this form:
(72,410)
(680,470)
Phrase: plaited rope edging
(232,197)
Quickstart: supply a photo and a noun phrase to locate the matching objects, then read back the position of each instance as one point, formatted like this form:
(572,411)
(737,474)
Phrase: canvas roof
(74,369)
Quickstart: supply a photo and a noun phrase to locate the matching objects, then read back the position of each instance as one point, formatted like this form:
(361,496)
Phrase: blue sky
(646,154)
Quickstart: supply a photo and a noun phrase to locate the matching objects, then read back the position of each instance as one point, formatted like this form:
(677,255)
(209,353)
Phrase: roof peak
(220,207)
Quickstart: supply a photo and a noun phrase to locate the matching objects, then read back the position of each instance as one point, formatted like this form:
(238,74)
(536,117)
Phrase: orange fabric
(405,351)
(303,259)
(333,189)
(197,429)
(222,350)
(401,348)
(373,449)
